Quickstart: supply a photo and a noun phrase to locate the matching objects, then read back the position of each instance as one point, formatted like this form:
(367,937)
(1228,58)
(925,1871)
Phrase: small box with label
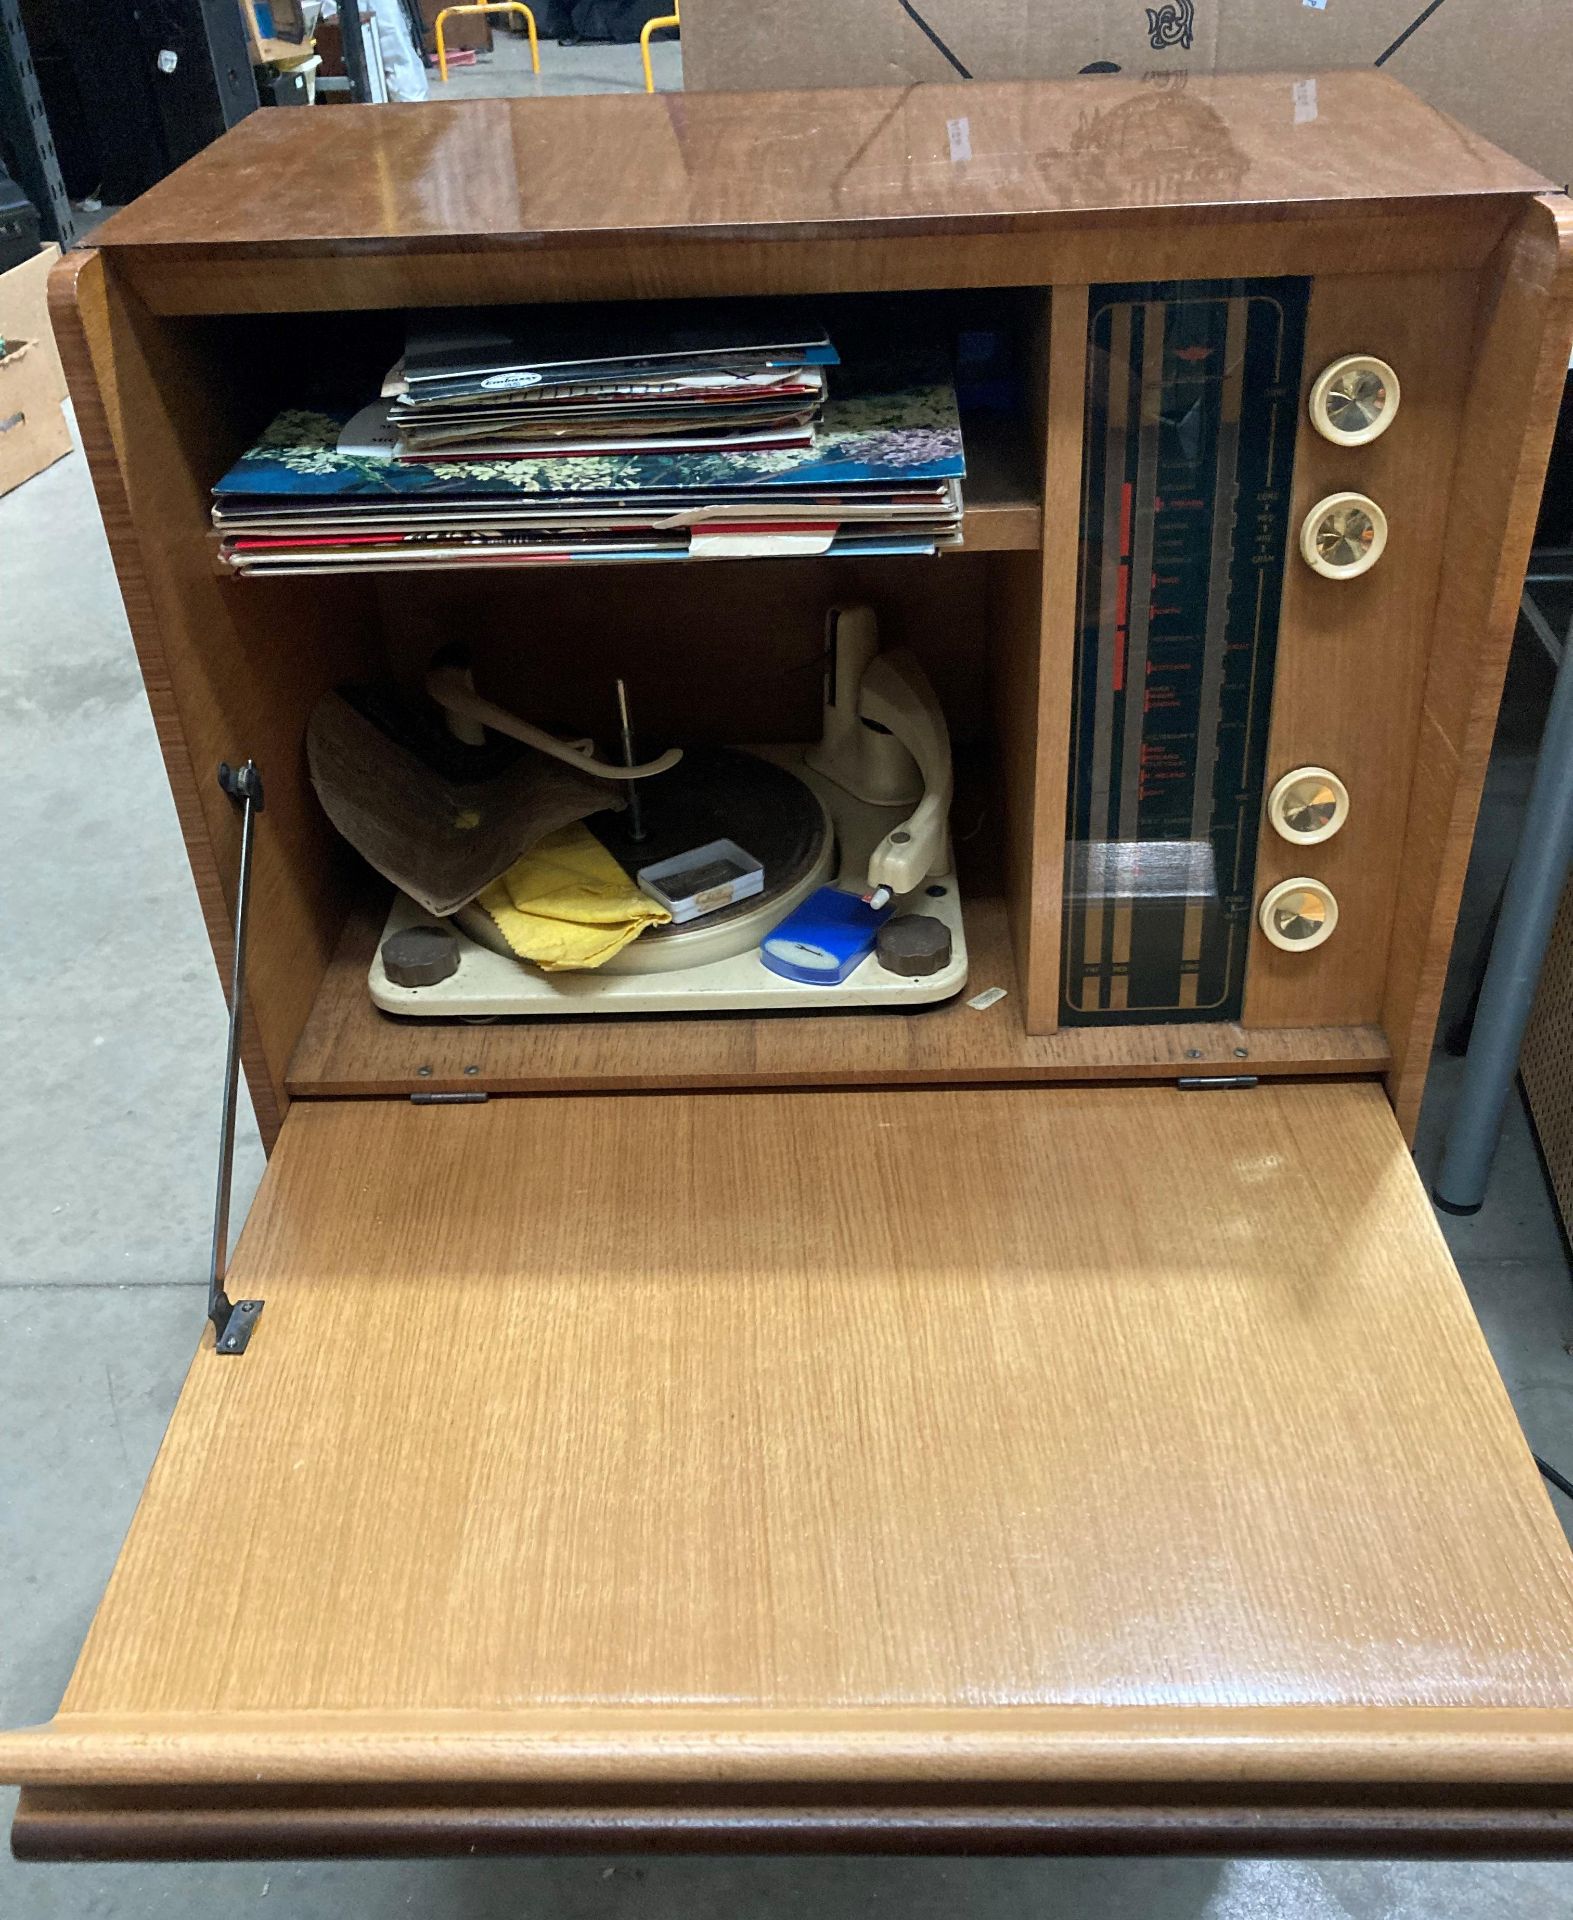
(704,880)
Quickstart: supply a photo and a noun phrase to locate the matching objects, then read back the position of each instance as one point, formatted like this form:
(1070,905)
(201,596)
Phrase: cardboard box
(24,309)
(286,39)
(33,430)
(1504,69)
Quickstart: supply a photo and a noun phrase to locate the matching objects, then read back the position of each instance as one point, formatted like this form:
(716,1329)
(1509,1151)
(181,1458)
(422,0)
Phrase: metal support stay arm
(233,1320)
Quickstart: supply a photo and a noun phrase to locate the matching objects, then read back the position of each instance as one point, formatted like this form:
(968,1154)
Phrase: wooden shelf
(349,1048)
(1001,494)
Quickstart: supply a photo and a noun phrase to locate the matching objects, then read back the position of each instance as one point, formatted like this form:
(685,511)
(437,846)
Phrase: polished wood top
(836,1436)
(1016,156)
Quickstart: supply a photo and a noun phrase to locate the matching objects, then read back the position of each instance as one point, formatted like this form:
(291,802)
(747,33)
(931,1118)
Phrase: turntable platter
(719,793)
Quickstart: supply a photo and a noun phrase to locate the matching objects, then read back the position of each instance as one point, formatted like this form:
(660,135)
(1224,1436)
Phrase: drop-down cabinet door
(998,1468)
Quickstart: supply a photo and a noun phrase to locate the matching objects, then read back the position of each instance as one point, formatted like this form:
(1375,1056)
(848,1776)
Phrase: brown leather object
(439,840)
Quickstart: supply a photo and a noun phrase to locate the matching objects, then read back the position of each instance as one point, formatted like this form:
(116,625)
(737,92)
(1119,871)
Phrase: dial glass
(1344,536)
(1308,806)
(1193,397)
(1356,399)
(1300,915)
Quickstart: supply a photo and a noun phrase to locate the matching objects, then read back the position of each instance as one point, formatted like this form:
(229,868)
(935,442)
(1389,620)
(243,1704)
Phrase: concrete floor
(504,73)
(112,1041)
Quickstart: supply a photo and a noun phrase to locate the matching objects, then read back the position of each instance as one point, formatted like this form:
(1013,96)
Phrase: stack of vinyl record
(600,436)
(602,384)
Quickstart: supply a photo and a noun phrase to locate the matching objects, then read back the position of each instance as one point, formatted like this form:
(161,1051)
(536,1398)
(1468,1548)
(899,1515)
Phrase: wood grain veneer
(877,161)
(181,1825)
(229,674)
(1522,338)
(1002,509)
(490,201)
(1352,653)
(1235,241)
(78,309)
(959,1438)
(1034,622)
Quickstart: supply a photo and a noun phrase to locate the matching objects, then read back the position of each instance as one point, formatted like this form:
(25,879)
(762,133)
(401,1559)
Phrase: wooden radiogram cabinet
(1053,1423)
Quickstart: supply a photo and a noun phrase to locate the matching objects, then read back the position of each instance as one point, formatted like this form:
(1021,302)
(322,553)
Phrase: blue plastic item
(824,939)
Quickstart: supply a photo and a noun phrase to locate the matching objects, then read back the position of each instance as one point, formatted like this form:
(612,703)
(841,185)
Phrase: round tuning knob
(1354,400)
(1307,805)
(1298,914)
(1343,535)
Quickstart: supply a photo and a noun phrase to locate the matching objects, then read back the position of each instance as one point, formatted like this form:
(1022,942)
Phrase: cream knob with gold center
(1308,805)
(1298,914)
(1343,535)
(1354,400)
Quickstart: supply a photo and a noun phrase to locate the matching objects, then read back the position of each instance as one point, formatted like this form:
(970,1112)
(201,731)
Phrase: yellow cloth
(568,904)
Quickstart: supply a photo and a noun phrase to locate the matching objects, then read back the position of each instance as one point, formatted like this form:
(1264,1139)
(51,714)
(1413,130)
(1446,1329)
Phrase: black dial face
(1193,388)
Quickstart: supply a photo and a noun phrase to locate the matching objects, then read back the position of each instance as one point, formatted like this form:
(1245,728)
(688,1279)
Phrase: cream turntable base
(864,809)
(491,983)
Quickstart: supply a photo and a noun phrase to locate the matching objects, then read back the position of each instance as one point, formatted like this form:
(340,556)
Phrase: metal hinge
(233,1320)
(469,1098)
(1207,1082)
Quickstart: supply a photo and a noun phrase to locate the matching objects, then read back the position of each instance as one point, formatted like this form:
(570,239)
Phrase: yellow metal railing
(499,6)
(672,19)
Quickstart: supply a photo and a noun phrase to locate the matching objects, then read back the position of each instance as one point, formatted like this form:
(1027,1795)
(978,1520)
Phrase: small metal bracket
(1208,1082)
(232,1336)
(233,1320)
(469,1098)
